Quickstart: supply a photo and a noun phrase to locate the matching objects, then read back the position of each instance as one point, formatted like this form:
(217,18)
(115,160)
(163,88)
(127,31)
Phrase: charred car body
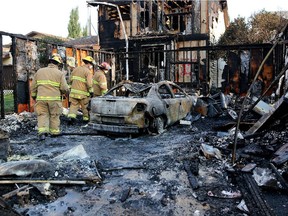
(132,107)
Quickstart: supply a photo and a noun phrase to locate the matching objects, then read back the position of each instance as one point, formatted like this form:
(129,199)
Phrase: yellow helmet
(89,59)
(56,58)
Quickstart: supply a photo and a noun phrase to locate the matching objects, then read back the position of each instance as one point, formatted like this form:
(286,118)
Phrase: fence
(224,68)
(229,69)
(26,56)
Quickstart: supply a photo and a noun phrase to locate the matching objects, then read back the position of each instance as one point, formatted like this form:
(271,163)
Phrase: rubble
(77,152)
(281,155)
(185,171)
(278,112)
(24,168)
(4,144)
(24,122)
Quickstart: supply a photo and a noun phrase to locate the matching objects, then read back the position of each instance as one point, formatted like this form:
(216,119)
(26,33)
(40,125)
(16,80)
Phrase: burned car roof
(134,86)
(133,107)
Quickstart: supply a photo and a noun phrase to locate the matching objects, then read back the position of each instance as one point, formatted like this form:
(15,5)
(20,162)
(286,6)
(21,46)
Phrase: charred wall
(155,27)
(30,54)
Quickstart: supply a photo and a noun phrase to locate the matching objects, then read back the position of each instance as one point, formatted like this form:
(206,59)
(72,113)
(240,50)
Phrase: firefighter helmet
(89,59)
(56,59)
(104,66)
(71,62)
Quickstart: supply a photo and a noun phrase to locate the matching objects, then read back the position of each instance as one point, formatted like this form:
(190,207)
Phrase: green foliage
(53,40)
(259,28)
(74,27)
(85,31)
(43,54)
(236,33)
(263,26)
(9,103)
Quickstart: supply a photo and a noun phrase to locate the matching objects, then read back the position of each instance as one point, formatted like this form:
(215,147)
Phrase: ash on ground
(187,170)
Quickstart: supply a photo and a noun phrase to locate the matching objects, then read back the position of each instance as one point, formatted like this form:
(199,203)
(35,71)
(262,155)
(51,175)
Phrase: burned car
(133,107)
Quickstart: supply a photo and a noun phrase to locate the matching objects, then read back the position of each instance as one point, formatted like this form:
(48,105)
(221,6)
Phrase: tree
(85,31)
(43,48)
(263,26)
(74,27)
(236,33)
(260,28)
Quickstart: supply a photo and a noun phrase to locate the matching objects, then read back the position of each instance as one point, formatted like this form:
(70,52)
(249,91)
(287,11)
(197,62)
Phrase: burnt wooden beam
(125,194)
(252,195)
(279,177)
(14,69)
(191,177)
(5,205)
(14,192)
(60,182)
(267,120)
(180,13)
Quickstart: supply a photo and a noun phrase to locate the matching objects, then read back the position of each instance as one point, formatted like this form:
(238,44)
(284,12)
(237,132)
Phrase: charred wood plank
(122,168)
(6,206)
(98,174)
(14,192)
(278,112)
(280,159)
(31,181)
(252,195)
(125,194)
(254,135)
(191,177)
(282,155)
(279,177)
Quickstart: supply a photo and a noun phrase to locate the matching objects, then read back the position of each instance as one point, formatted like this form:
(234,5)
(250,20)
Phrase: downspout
(126,41)
(123,27)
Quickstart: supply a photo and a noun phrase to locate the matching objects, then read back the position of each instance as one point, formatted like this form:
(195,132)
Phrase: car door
(171,103)
(183,101)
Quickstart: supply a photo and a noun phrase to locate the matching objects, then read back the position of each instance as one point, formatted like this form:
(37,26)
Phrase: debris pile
(187,170)
(25,122)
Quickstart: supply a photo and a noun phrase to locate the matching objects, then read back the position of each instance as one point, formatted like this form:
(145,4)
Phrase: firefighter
(70,65)
(81,89)
(99,79)
(47,87)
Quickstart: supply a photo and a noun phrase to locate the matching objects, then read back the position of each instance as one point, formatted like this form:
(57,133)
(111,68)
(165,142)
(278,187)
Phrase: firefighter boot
(85,119)
(42,137)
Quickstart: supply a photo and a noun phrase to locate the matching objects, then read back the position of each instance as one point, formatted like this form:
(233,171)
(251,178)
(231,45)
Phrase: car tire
(159,125)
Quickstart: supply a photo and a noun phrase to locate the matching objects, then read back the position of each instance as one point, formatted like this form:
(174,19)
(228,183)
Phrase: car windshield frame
(129,89)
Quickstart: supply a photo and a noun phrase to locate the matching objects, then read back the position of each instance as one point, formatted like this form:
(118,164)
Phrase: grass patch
(9,102)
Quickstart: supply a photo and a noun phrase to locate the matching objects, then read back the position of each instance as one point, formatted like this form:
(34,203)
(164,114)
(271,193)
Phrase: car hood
(121,106)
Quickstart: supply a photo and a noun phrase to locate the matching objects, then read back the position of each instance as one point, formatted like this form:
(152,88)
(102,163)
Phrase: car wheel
(159,125)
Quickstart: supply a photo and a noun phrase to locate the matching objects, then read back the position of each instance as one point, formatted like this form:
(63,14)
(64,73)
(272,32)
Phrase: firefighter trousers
(48,116)
(75,104)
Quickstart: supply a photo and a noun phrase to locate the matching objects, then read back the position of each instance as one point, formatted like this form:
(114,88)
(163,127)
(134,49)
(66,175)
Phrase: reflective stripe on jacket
(49,83)
(81,82)
(99,83)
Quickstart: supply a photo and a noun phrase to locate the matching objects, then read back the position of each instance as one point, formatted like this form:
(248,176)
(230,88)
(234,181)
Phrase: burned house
(175,40)
(150,41)
(153,38)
